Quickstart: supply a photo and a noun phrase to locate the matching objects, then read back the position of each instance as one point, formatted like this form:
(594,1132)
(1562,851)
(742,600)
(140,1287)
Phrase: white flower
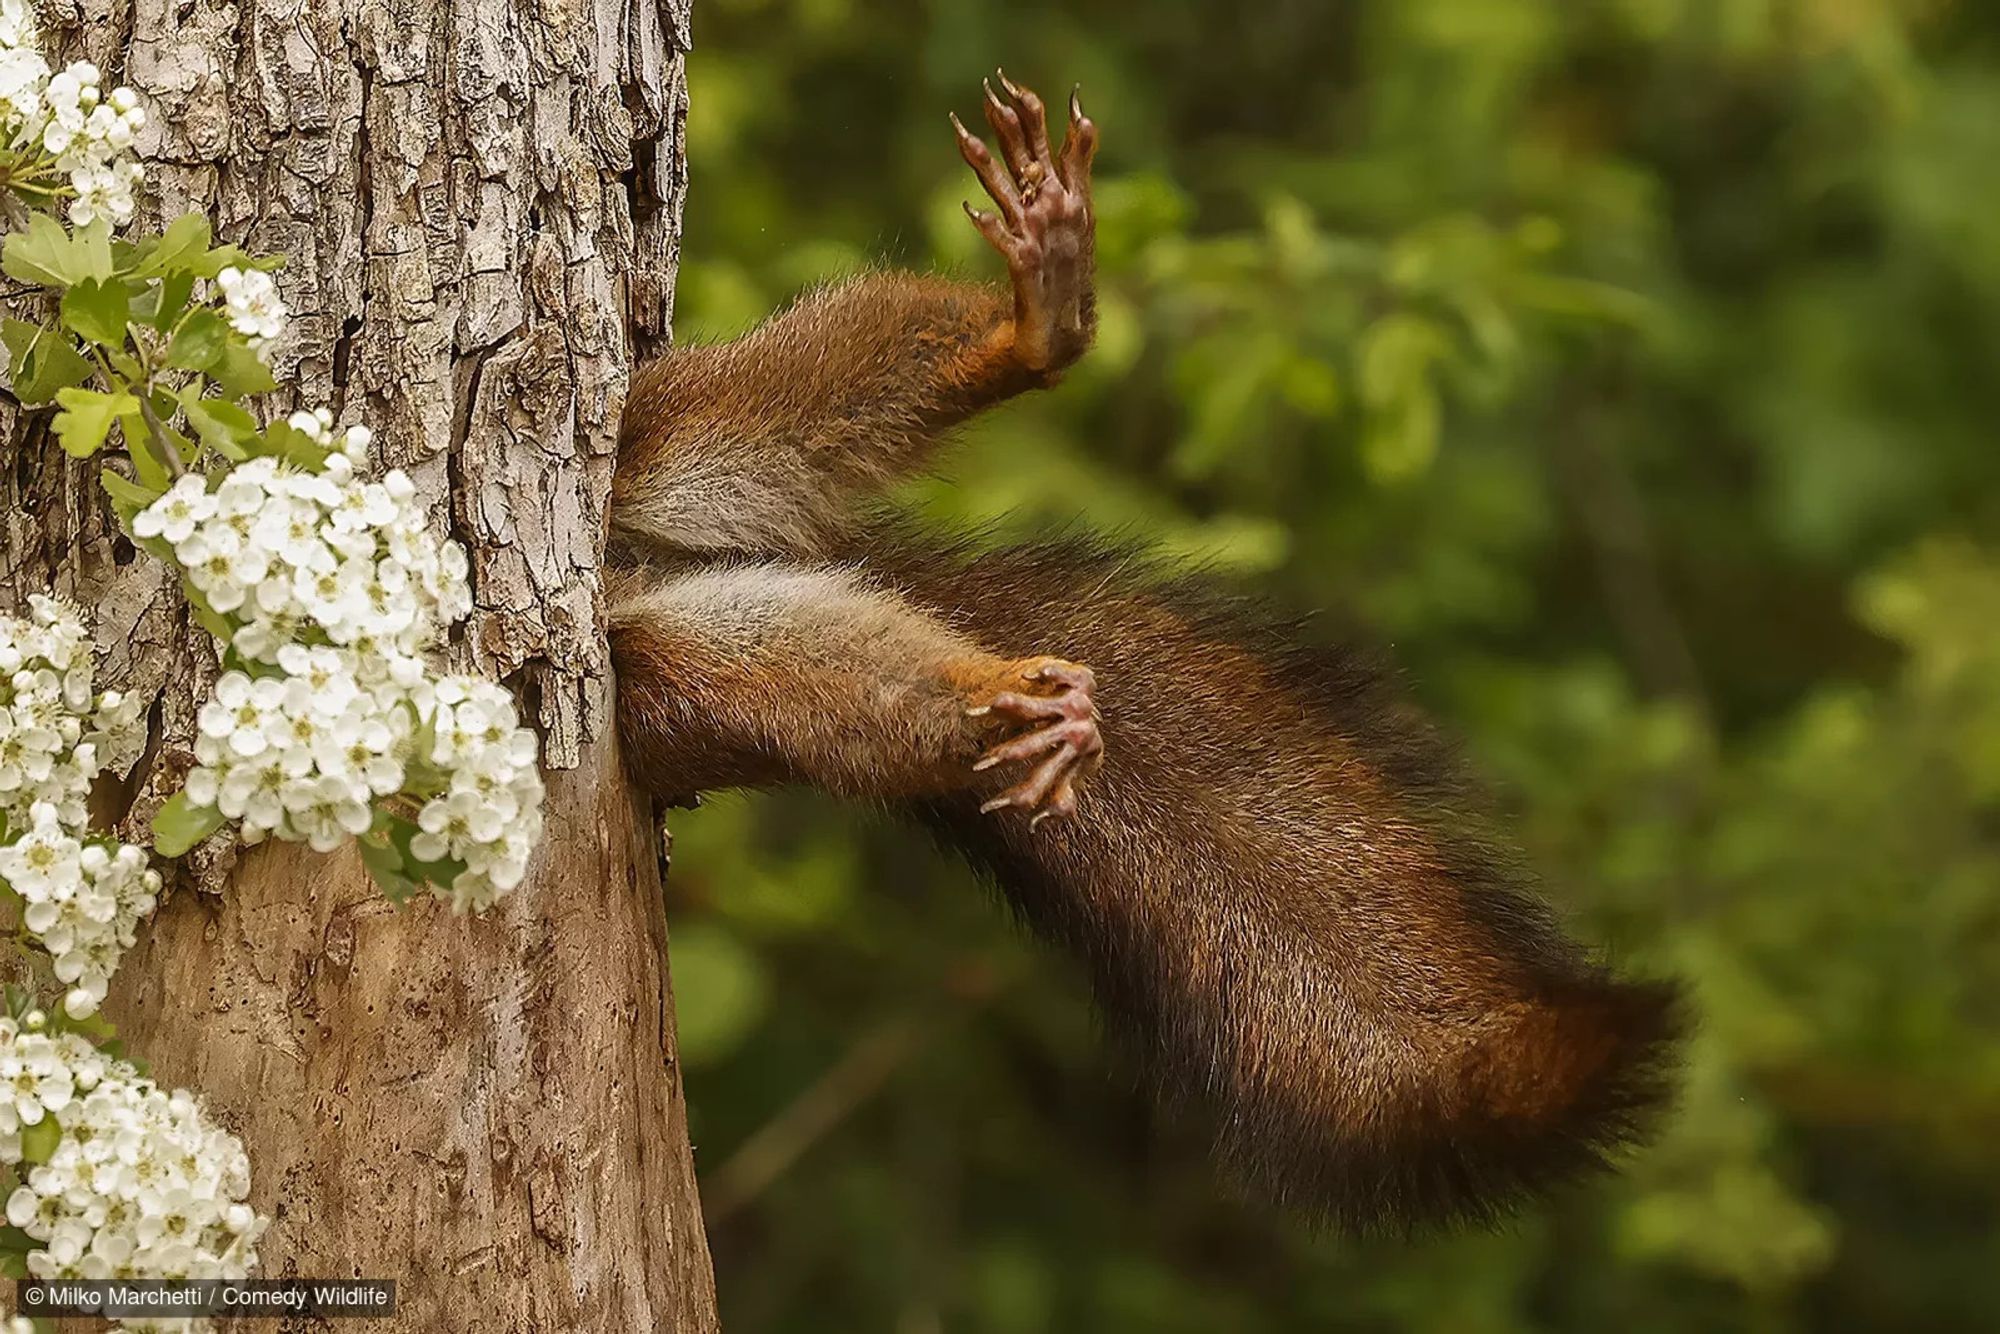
(43,863)
(316,425)
(82,902)
(140,1184)
(251,301)
(118,730)
(88,932)
(252,792)
(329,811)
(365,746)
(241,713)
(68,100)
(90,134)
(336,588)
(55,735)
(177,513)
(81,898)
(23,73)
(105,190)
(490,818)
(34,1081)
(114,121)
(17,25)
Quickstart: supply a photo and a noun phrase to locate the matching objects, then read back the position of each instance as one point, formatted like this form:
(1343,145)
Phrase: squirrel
(1260,855)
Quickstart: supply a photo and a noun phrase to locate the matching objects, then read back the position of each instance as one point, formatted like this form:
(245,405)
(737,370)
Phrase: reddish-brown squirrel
(1259,854)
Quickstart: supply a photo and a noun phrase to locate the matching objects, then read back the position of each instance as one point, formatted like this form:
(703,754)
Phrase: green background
(1630,367)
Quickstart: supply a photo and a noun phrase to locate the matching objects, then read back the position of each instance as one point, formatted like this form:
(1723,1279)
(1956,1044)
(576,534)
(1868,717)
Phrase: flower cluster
(17,24)
(69,119)
(136,1182)
(90,135)
(23,72)
(81,898)
(283,551)
(334,589)
(56,733)
(250,299)
(301,755)
(328,593)
(487,813)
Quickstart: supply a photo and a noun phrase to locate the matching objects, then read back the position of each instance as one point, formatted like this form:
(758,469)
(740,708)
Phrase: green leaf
(147,465)
(211,620)
(295,447)
(13,1241)
(39,1141)
(180,824)
(127,497)
(101,1032)
(225,257)
(385,865)
(44,254)
(56,366)
(86,418)
(222,425)
(44,361)
(200,342)
(163,304)
(241,371)
(1398,353)
(125,364)
(440,873)
(99,311)
(19,336)
(92,246)
(182,246)
(124,490)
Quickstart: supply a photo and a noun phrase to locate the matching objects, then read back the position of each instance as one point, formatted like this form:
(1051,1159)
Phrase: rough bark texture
(480,203)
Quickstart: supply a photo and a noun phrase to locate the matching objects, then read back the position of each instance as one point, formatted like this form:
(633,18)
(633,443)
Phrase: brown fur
(1290,910)
(1283,900)
(753,673)
(720,456)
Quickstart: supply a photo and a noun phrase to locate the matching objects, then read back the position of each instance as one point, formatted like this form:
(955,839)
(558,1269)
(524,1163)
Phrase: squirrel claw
(1048,791)
(1072,674)
(1063,733)
(1044,227)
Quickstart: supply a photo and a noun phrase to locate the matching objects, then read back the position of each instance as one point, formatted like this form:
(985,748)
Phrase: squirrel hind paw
(1062,739)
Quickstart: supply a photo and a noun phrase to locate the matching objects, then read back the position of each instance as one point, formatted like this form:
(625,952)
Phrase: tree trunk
(480,202)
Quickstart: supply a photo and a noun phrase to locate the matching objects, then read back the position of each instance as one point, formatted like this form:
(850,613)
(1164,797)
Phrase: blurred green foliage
(1630,365)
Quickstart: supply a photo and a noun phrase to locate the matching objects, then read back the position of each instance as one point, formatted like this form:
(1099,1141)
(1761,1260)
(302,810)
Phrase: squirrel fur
(1263,858)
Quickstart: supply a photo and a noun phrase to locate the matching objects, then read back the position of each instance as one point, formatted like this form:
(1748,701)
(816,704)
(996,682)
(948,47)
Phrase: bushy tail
(1284,905)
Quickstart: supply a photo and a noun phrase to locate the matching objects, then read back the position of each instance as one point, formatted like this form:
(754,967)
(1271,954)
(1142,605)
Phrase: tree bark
(480,204)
